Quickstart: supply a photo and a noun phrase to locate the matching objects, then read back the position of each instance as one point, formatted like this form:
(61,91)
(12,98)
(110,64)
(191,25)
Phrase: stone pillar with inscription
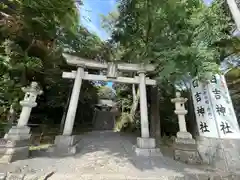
(219,134)
(185,148)
(15,144)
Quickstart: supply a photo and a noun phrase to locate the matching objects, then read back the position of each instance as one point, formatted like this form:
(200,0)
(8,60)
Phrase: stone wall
(220,153)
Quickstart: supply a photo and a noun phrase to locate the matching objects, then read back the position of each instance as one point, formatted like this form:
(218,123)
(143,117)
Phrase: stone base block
(15,145)
(148,152)
(188,157)
(64,145)
(184,135)
(185,150)
(18,133)
(63,140)
(146,143)
(14,150)
(14,154)
(147,147)
(220,153)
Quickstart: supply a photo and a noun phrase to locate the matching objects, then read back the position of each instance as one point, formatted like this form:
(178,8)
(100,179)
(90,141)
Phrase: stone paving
(110,156)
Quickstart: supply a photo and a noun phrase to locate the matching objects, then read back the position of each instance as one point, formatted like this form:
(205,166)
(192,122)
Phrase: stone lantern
(28,103)
(181,112)
(16,144)
(185,147)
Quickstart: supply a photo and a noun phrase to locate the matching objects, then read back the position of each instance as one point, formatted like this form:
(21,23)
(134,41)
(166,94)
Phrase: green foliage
(177,36)
(33,35)
(105,92)
(180,38)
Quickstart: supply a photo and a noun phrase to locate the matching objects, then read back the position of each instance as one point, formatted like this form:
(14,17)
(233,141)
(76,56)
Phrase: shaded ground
(104,154)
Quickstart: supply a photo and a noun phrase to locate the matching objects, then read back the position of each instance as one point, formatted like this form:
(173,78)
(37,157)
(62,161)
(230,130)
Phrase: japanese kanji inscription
(213,108)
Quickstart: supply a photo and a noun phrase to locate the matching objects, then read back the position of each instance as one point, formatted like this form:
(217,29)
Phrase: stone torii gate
(145,144)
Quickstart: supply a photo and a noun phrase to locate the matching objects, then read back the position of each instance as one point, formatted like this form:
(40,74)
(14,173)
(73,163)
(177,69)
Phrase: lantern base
(185,150)
(15,144)
(184,135)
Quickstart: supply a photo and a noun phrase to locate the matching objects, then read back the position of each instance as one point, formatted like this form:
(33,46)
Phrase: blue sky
(90,15)
(208,1)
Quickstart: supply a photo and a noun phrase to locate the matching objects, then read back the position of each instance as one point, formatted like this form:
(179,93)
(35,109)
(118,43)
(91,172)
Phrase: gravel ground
(104,154)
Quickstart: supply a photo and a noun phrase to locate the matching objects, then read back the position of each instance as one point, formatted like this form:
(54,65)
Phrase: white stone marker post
(185,146)
(219,132)
(17,138)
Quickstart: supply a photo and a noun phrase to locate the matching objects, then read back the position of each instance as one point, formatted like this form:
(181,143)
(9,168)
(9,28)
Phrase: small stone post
(185,147)
(17,139)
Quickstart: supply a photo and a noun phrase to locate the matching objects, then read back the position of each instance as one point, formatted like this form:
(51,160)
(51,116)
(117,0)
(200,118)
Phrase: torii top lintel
(91,64)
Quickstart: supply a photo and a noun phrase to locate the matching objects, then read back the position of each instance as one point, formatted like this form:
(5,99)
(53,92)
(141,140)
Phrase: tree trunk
(10,119)
(65,110)
(155,129)
(136,97)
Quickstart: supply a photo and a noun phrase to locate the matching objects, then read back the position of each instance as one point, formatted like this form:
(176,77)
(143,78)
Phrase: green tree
(176,36)
(181,38)
(33,35)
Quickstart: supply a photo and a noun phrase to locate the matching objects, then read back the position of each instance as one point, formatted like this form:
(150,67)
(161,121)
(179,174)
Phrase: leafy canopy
(179,37)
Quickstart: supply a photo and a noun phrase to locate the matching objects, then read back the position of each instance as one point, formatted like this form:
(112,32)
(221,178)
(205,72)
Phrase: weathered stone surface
(3,176)
(13,154)
(185,145)
(184,135)
(63,146)
(222,154)
(185,150)
(146,143)
(65,140)
(15,145)
(18,133)
(148,152)
(15,176)
(185,141)
(188,157)
(3,142)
